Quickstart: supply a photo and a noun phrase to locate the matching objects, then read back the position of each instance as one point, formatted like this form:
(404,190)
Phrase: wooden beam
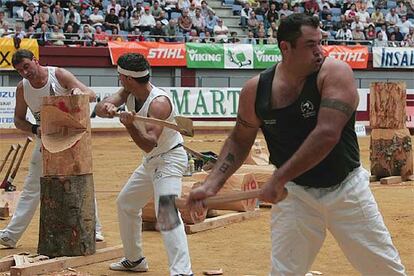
(4,212)
(61,263)
(391,180)
(6,263)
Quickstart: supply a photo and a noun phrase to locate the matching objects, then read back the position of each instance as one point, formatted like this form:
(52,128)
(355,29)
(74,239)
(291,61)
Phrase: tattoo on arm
(244,123)
(229,160)
(338,105)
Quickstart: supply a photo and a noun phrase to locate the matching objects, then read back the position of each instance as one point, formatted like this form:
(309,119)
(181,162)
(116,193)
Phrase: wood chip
(213,272)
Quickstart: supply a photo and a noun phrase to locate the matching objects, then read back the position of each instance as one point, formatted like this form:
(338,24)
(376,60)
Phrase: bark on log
(77,159)
(391,153)
(67,216)
(387,105)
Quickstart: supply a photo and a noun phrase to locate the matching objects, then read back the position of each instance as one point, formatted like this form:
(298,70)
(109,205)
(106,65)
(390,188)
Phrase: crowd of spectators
(95,22)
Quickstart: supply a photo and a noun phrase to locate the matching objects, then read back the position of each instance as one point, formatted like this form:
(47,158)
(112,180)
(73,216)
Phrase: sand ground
(241,248)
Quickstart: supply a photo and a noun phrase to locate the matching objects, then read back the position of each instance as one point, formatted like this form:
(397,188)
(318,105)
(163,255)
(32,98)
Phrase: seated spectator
(97,4)
(233,38)
(71,37)
(325,12)
(45,16)
(171,31)
(5,31)
(199,23)
(31,17)
(184,5)
(43,37)
(358,34)
(245,15)
(253,23)
(392,18)
(29,34)
(405,25)
(111,20)
(384,32)
(2,20)
(350,14)
(157,33)
(57,37)
(84,17)
(273,38)
(249,39)
(271,29)
(377,17)
(356,23)
(71,22)
(272,15)
(401,9)
(211,22)
(191,10)
(364,16)
(370,33)
(184,22)
(408,41)
(147,21)
(324,4)
(398,35)
(392,42)
(139,8)
(156,11)
(205,9)
(123,20)
(136,35)
(344,33)
(340,23)
(379,41)
(115,6)
(207,38)
(100,37)
(261,37)
(285,10)
(115,36)
(220,32)
(328,24)
(134,20)
(311,7)
(73,12)
(96,18)
(86,35)
(163,18)
(194,38)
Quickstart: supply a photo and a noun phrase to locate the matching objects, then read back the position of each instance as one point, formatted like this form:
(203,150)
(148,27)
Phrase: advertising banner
(356,56)
(7,49)
(393,57)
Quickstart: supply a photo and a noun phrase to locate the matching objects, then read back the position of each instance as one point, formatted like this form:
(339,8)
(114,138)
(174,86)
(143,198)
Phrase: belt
(176,147)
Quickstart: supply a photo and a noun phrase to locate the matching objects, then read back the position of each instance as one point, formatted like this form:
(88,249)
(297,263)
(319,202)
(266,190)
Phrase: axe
(183,125)
(9,187)
(208,160)
(168,219)
(6,177)
(12,147)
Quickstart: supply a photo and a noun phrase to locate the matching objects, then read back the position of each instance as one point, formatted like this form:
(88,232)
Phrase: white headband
(134,74)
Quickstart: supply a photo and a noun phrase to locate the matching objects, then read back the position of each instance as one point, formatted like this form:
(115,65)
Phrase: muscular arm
(69,81)
(106,108)
(147,138)
(20,111)
(240,141)
(339,99)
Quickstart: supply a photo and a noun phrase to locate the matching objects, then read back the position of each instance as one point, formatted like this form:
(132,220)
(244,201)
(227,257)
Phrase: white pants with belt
(30,198)
(349,211)
(160,175)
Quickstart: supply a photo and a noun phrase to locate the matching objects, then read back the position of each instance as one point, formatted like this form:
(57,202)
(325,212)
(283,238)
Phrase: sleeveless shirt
(285,129)
(169,138)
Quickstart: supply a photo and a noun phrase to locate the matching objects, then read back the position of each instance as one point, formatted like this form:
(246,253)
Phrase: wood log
(10,200)
(258,154)
(148,212)
(391,153)
(387,105)
(67,216)
(69,126)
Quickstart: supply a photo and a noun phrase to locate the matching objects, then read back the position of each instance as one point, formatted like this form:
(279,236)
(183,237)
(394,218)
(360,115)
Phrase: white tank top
(33,96)
(169,138)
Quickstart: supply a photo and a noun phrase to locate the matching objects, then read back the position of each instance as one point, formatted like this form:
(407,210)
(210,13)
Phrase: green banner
(231,56)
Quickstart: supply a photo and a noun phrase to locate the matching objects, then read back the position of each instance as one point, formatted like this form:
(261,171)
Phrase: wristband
(34,129)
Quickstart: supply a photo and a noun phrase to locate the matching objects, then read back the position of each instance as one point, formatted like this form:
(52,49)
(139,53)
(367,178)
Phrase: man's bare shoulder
(160,108)
(332,67)
(250,86)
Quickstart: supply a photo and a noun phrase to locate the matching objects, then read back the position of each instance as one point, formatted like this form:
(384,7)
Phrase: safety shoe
(6,241)
(99,236)
(127,265)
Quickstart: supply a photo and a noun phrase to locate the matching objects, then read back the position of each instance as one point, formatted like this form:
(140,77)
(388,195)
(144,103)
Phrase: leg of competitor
(297,230)
(359,228)
(28,201)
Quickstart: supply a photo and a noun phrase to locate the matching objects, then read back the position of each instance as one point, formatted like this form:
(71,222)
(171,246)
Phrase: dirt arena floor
(239,249)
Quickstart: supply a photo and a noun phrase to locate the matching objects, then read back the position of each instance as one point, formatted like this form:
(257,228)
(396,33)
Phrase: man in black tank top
(305,107)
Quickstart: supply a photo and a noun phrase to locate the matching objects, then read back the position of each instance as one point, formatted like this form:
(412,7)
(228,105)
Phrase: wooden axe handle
(155,121)
(28,140)
(6,158)
(11,164)
(223,198)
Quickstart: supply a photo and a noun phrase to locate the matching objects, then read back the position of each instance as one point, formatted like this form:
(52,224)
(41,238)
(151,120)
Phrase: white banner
(393,57)
(190,102)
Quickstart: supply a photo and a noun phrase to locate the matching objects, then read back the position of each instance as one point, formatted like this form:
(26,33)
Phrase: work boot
(127,265)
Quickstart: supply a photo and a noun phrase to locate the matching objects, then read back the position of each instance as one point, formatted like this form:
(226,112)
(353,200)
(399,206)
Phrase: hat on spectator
(146,8)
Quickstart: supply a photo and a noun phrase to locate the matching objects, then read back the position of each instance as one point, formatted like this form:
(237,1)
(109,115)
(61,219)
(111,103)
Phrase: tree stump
(387,105)
(391,153)
(67,216)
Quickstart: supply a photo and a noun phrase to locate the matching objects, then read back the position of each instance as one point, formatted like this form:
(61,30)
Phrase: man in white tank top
(38,81)
(161,170)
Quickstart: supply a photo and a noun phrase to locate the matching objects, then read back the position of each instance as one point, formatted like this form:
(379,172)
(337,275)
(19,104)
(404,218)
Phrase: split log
(391,153)
(258,154)
(387,105)
(66,135)
(67,216)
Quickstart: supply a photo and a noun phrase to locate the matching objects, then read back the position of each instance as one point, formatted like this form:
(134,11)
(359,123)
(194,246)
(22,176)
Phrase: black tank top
(285,129)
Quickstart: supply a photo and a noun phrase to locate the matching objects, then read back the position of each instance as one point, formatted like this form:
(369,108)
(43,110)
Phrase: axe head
(185,125)
(167,218)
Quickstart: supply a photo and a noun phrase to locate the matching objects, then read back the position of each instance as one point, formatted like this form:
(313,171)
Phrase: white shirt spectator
(384,35)
(392,19)
(364,17)
(96,19)
(220,32)
(147,20)
(344,34)
(355,24)
(405,26)
(115,6)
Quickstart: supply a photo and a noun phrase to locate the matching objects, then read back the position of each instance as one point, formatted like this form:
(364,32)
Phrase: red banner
(157,53)
(356,56)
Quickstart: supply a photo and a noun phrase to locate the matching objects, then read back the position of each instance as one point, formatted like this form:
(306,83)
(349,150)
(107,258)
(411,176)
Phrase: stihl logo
(348,56)
(165,53)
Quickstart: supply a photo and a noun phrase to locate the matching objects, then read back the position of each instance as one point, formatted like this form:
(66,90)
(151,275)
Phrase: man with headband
(161,170)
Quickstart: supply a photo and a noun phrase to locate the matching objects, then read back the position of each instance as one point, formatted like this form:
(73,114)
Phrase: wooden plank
(391,180)
(6,263)
(373,178)
(220,221)
(100,245)
(4,212)
(62,263)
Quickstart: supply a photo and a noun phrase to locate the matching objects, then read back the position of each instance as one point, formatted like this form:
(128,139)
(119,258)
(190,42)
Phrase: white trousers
(157,176)
(349,211)
(30,198)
